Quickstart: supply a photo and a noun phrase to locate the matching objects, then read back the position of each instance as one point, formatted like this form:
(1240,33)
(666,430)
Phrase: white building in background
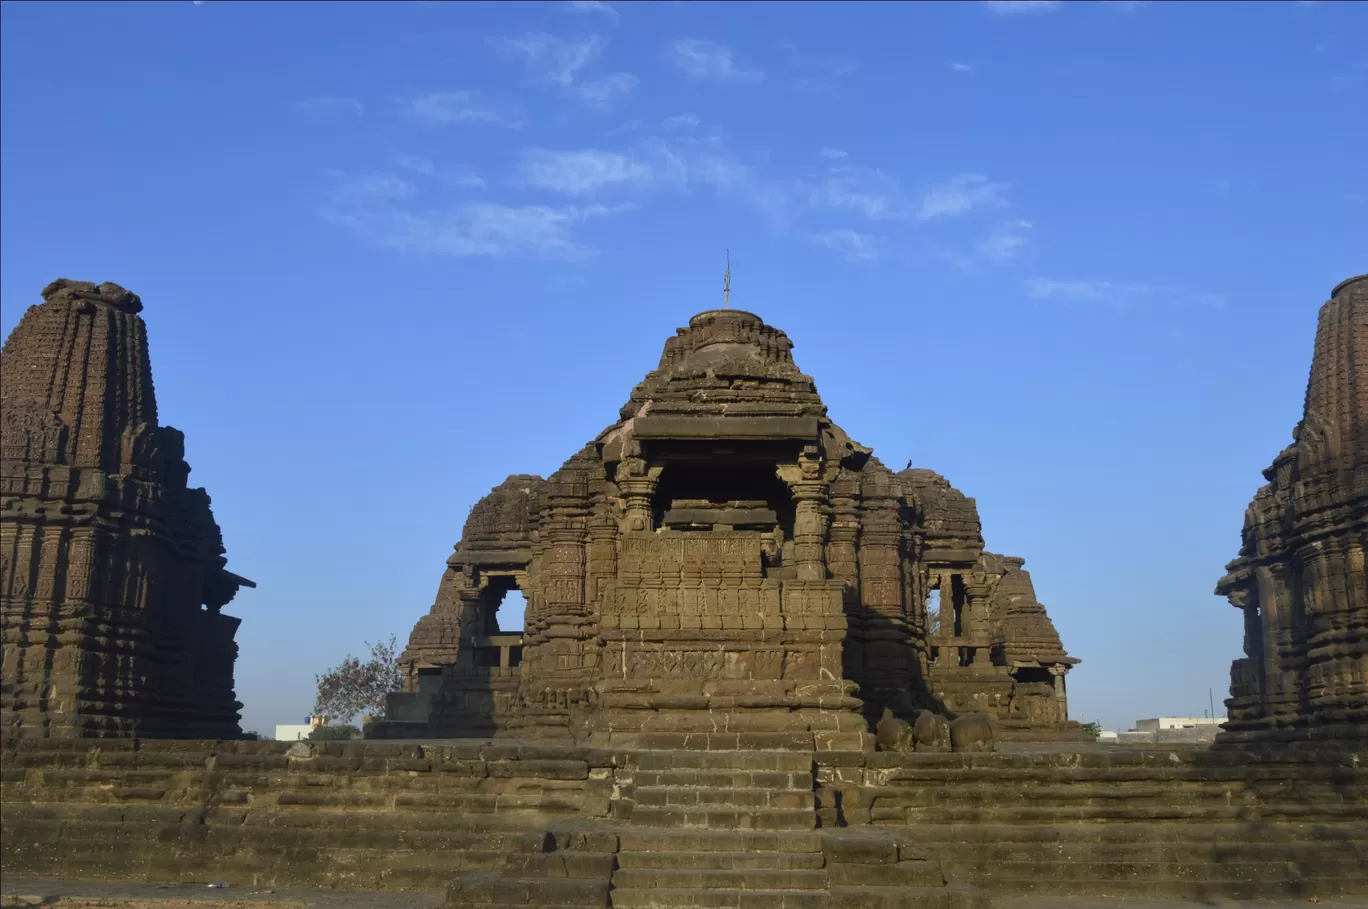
(1173,730)
(297,732)
(1176,722)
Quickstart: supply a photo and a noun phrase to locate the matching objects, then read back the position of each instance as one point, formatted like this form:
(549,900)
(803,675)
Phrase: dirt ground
(33,893)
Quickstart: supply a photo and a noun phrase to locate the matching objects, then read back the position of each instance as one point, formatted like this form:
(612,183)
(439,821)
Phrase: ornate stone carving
(725,559)
(113,571)
(30,433)
(1299,578)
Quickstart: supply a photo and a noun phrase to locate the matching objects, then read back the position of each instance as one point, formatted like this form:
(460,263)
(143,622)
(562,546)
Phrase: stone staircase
(1207,858)
(715,869)
(715,830)
(724,790)
(1177,825)
(708,836)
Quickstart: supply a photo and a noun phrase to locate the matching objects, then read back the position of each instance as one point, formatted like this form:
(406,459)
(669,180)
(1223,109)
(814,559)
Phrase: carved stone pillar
(637,483)
(809,487)
(1061,693)
(809,530)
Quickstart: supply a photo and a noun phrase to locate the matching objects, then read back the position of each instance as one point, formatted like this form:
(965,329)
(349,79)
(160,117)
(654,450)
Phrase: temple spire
(726,283)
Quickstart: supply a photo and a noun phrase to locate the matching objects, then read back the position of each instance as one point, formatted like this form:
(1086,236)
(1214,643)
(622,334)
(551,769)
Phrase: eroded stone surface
(725,562)
(112,572)
(1178,822)
(1300,578)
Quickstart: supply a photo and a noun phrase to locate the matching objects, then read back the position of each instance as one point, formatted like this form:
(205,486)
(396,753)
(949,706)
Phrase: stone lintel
(682,427)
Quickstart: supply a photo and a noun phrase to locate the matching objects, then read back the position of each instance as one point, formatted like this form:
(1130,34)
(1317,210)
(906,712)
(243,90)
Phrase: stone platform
(499,823)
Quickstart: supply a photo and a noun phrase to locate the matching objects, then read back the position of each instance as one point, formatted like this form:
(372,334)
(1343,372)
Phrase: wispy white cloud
(582,171)
(962,67)
(1076,291)
(370,188)
(1007,7)
(819,73)
(1005,244)
(594,6)
(331,105)
(416,163)
(604,92)
(459,177)
(560,62)
(462,178)
(554,59)
(708,61)
(678,162)
(447,108)
(961,195)
(834,153)
(1118,295)
(1001,247)
(680,122)
(851,244)
(380,208)
(487,229)
(866,190)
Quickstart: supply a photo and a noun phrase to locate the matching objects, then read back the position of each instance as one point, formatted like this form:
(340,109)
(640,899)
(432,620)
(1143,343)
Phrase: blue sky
(1067,254)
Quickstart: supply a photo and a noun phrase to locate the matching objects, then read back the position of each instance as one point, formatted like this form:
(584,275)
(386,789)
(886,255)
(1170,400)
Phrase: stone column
(1061,695)
(809,529)
(637,483)
(1281,683)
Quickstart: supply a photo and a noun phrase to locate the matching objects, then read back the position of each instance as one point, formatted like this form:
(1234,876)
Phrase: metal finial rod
(726,283)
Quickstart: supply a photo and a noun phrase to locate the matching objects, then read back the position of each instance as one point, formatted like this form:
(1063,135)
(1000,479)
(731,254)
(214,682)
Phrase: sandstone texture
(1300,578)
(547,824)
(112,576)
(725,562)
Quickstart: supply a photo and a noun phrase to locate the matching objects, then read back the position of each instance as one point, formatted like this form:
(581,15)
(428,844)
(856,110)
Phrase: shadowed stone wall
(362,815)
(1300,578)
(724,560)
(112,572)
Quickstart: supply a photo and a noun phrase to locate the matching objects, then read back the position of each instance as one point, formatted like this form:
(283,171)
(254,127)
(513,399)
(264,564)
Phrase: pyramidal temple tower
(1300,578)
(112,572)
(724,566)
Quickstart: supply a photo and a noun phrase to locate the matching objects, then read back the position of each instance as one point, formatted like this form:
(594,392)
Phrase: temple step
(699,798)
(876,897)
(646,841)
(753,761)
(725,779)
(721,861)
(908,873)
(726,817)
(693,898)
(748,879)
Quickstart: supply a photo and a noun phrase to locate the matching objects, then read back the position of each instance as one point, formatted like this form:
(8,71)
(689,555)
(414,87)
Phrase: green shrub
(334,733)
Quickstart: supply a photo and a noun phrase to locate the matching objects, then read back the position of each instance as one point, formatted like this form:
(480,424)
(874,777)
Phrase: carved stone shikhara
(112,572)
(724,564)
(1300,578)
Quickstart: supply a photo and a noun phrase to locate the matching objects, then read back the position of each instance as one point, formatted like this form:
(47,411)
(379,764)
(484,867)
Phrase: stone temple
(723,592)
(112,575)
(1300,578)
(725,566)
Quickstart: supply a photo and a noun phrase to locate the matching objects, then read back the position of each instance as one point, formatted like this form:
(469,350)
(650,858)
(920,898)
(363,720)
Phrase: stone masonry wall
(348,815)
(1184,822)
(1179,822)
